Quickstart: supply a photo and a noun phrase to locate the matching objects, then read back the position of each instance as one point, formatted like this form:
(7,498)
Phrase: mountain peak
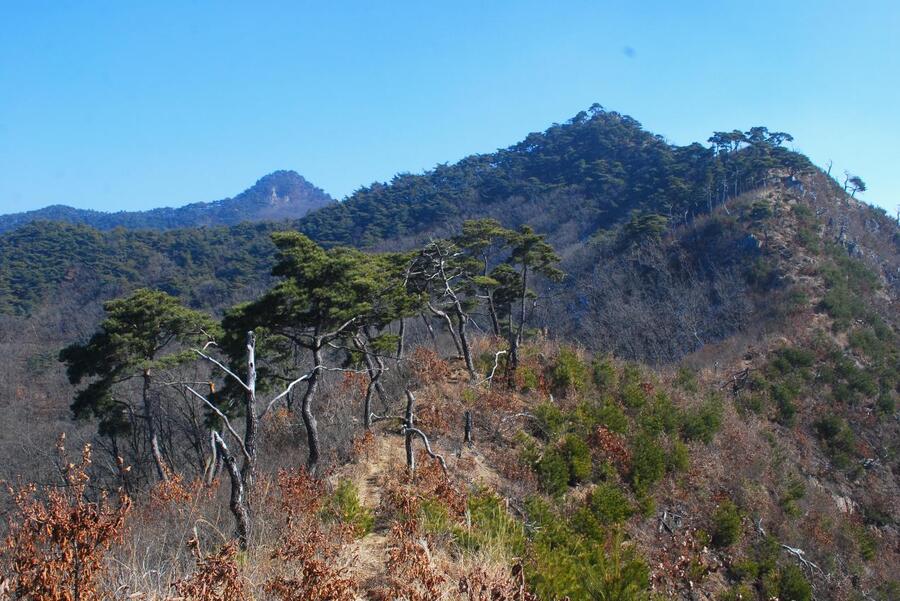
(282,194)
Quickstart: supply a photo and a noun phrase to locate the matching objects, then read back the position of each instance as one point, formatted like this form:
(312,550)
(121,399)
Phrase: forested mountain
(593,365)
(277,196)
(592,173)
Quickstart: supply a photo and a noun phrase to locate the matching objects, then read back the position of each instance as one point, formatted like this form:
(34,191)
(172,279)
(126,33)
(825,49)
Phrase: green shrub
(741,592)
(631,375)
(751,401)
(886,403)
(784,394)
(434,516)
(565,563)
(703,422)
(679,457)
(659,415)
(842,304)
(604,373)
(491,528)
(569,372)
(838,438)
(611,416)
(648,463)
(791,359)
(550,421)
(633,396)
(527,378)
(795,301)
(793,586)
(608,505)
(760,210)
(552,472)
(686,379)
(577,456)
(763,275)
(866,542)
(726,524)
(793,492)
(344,505)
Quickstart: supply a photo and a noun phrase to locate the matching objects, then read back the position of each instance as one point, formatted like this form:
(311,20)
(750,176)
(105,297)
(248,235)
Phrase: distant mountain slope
(278,196)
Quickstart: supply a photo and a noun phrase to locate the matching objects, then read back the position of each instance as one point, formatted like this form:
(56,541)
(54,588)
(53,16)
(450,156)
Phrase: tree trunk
(409,420)
(238,503)
(212,462)
(462,321)
(120,464)
(251,433)
(150,411)
(467,436)
(452,331)
(516,338)
(492,310)
(401,340)
(430,329)
(374,368)
(309,419)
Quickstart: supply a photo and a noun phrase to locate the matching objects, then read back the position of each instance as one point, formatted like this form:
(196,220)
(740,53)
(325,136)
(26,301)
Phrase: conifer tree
(146,331)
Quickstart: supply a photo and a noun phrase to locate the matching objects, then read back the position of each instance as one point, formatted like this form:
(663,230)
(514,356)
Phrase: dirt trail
(385,456)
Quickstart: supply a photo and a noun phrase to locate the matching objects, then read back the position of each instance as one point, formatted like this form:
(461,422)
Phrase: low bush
(686,379)
(490,528)
(648,463)
(838,438)
(659,415)
(604,375)
(569,372)
(703,422)
(552,472)
(793,585)
(577,456)
(344,505)
(726,524)
(565,563)
(679,457)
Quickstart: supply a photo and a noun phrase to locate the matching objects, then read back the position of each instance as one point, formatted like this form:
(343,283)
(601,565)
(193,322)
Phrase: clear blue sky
(126,105)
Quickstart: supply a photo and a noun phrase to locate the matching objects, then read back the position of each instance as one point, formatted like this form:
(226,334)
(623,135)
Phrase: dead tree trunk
(408,426)
(410,431)
(467,428)
(443,315)
(251,432)
(150,411)
(238,502)
(213,462)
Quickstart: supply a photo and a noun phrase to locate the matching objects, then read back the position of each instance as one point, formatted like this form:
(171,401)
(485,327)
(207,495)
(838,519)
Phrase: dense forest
(590,366)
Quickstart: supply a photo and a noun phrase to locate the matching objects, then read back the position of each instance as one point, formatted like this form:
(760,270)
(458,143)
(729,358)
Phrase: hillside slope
(277,196)
(752,454)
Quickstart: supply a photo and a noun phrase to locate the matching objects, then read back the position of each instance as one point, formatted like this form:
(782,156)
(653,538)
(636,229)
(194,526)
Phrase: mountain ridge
(279,195)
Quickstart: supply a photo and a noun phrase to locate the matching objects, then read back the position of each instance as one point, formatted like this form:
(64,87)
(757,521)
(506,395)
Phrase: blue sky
(122,105)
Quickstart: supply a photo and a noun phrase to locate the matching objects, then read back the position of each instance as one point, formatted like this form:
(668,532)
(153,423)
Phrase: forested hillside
(590,366)
(277,196)
(591,173)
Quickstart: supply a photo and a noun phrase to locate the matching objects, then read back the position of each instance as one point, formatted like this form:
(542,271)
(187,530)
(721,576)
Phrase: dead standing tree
(410,432)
